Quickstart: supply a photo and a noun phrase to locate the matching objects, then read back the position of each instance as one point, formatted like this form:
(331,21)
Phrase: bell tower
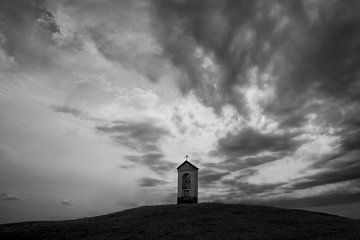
(187,182)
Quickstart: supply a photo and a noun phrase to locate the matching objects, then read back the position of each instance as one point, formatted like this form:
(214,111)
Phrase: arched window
(186,180)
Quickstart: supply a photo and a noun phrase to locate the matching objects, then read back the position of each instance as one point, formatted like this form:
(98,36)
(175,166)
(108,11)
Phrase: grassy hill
(198,221)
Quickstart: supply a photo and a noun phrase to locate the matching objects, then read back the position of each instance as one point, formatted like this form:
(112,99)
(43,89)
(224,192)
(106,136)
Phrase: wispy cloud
(234,164)
(153,161)
(27,31)
(142,137)
(10,197)
(151,182)
(67,202)
(67,109)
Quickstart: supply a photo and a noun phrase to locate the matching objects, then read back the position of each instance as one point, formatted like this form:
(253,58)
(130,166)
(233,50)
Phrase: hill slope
(198,221)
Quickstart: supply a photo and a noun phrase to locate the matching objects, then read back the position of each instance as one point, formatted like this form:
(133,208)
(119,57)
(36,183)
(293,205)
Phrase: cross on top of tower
(187,157)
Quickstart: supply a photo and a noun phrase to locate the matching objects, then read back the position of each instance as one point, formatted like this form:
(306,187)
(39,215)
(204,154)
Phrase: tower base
(181,200)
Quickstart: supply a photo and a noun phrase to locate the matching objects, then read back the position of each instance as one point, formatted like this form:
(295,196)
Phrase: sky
(100,101)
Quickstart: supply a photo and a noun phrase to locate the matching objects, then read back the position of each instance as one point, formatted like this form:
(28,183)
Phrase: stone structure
(187,183)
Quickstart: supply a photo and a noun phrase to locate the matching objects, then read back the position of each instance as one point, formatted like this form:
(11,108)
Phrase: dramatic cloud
(151,182)
(153,161)
(240,189)
(231,36)
(141,137)
(307,46)
(209,177)
(329,63)
(248,141)
(351,132)
(26,29)
(125,27)
(234,164)
(334,175)
(110,95)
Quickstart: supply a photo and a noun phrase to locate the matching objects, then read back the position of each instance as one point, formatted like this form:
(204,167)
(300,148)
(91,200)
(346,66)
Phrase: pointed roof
(186,162)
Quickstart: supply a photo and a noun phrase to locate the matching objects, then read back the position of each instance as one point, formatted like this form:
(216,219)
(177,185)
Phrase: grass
(194,221)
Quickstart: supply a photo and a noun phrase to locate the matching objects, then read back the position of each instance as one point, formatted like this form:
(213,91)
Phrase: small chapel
(187,182)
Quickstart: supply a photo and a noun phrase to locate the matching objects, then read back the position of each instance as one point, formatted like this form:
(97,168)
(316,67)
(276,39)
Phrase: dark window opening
(186,179)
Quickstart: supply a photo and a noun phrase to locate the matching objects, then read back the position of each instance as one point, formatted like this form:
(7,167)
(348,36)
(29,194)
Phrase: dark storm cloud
(142,137)
(207,177)
(328,66)
(309,47)
(239,34)
(234,164)
(153,161)
(10,197)
(120,35)
(239,188)
(351,139)
(236,188)
(67,109)
(338,172)
(151,182)
(248,141)
(310,50)
(26,27)
(293,120)
(331,64)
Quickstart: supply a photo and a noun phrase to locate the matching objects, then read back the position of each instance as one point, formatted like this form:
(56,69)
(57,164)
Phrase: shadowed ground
(198,221)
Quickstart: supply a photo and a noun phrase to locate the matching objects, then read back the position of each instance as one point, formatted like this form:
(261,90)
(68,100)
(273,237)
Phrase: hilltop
(197,221)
